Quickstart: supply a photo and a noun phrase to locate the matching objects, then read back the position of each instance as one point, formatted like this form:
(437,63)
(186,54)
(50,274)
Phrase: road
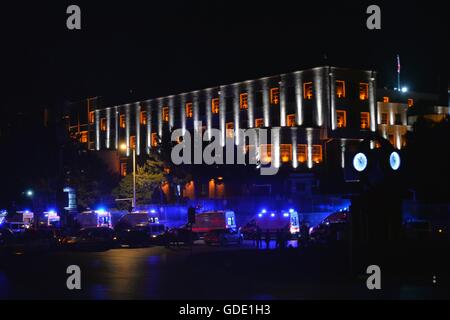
(209,273)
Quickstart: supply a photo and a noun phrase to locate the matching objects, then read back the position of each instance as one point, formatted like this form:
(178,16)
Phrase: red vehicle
(214,220)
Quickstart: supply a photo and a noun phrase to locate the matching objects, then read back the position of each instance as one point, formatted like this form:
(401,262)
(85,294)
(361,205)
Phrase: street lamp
(123,147)
(29,193)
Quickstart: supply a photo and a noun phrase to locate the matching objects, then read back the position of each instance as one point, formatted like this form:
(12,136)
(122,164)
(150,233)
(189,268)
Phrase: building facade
(310,108)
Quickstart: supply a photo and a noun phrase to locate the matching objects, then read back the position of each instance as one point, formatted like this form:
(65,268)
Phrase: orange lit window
(243,101)
(165,114)
(285,152)
(143,117)
(230,129)
(316,153)
(363,91)
(365,120)
(123,169)
(189,110)
(384,118)
(290,120)
(341,117)
(91,117)
(301,153)
(83,136)
(122,123)
(215,105)
(410,102)
(275,95)
(133,142)
(266,153)
(259,123)
(103,124)
(308,90)
(340,89)
(385,99)
(154,139)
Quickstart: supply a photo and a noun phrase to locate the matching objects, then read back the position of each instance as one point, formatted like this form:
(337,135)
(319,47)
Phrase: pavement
(222,273)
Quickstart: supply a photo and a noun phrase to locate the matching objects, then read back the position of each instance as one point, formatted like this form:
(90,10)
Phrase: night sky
(129,50)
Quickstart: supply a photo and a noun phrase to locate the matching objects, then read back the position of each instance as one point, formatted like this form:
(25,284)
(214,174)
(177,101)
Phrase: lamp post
(123,147)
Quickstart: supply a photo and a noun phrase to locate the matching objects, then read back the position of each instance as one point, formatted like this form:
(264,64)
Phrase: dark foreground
(416,272)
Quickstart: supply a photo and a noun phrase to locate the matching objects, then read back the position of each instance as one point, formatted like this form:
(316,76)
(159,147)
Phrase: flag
(398,64)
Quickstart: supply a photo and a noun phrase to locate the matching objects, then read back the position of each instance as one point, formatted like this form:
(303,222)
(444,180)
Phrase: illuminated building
(320,113)
(398,111)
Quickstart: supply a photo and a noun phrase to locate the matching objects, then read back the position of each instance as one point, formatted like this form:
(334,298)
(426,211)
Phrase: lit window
(123,169)
(365,120)
(410,102)
(154,139)
(317,153)
(266,153)
(290,120)
(189,110)
(133,142)
(384,118)
(215,105)
(340,89)
(103,124)
(285,152)
(91,117)
(143,117)
(230,129)
(243,101)
(363,91)
(122,123)
(385,99)
(275,95)
(83,136)
(308,90)
(259,123)
(301,153)
(165,114)
(341,117)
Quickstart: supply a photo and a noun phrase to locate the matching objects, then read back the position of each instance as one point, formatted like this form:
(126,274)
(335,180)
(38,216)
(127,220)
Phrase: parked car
(181,235)
(101,238)
(223,237)
(6,240)
(134,236)
(16,227)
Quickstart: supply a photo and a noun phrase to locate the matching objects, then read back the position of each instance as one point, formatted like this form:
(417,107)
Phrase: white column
(97,130)
(149,127)
(283,101)
(222,114)
(108,128)
(251,105)
(318,95)
(236,109)
(208,112)
(138,127)
(116,129)
(372,102)
(266,102)
(127,127)
(299,98)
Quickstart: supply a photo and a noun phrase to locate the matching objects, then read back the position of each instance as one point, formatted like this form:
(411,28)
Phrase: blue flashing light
(260,215)
(286,215)
(263,211)
(291,210)
(153,211)
(272,215)
(27,211)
